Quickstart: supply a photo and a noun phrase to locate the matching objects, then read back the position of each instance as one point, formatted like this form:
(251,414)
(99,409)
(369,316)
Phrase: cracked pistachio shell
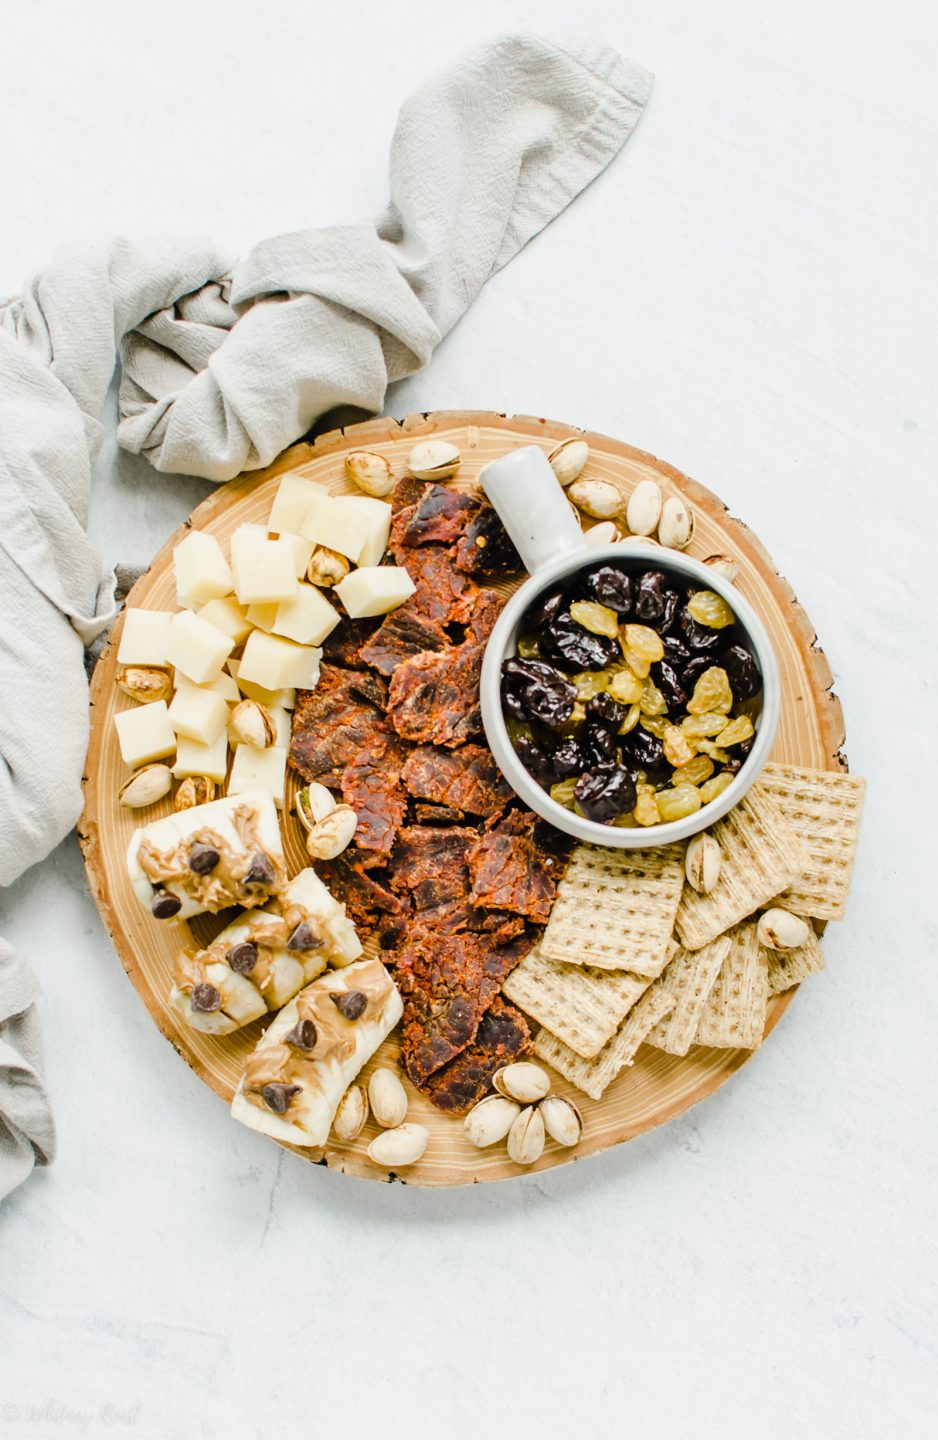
(598,498)
(702,861)
(146,786)
(351,1114)
(644,508)
(388,1098)
(144,683)
(490,1120)
(562,1120)
(433,460)
(312,804)
(780,930)
(724,565)
(369,471)
(526,1137)
(251,723)
(568,459)
(676,526)
(522,1081)
(401,1146)
(326,567)
(605,533)
(330,835)
(194,790)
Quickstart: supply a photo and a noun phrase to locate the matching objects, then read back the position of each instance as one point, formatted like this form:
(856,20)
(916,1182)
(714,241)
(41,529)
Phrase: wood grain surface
(657,1086)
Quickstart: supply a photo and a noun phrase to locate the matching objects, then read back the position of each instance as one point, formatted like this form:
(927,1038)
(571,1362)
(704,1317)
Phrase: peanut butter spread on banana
(325,1031)
(252,954)
(207,868)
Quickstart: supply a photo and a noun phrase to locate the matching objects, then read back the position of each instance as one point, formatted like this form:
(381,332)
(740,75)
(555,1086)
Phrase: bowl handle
(533,507)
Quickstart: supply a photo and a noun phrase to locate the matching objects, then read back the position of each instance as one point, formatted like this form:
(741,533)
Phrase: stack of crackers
(633,954)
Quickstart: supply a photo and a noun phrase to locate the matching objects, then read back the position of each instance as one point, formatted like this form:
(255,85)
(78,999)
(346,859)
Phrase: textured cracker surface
(825,807)
(689,979)
(595,1075)
(734,1015)
(582,1007)
(615,909)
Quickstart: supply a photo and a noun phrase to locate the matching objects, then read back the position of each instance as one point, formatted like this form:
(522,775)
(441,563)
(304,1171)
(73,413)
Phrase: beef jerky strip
(502,1036)
(439,517)
(435,698)
(371,785)
(405,632)
(464,779)
(509,873)
(486,548)
(333,723)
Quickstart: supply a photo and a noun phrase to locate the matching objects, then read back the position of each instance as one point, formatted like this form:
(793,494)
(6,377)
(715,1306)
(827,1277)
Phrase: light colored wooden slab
(657,1086)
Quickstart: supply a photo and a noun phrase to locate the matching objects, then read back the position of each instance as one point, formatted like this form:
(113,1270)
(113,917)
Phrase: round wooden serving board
(657,1086)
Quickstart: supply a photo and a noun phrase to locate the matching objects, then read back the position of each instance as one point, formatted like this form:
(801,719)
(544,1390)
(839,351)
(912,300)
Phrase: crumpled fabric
(225,364)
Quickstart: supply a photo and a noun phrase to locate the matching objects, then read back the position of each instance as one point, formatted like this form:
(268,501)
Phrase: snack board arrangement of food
(333,902)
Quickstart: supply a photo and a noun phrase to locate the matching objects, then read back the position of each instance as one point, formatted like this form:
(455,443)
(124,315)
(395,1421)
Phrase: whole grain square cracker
(761,855)
(615,909)
(790,967)
(595,1075)
(825,807)
(734,1015)
(689,978)
(582,1007)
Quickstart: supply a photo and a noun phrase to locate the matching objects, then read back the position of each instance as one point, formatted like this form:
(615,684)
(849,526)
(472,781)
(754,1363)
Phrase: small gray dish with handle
(538,516)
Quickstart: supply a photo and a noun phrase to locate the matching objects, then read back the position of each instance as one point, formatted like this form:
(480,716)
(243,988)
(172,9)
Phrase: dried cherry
(610,587)
(577,649)
(742,671)
(605,792)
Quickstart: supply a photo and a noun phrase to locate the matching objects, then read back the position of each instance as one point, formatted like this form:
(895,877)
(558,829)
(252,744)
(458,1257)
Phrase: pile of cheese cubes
(250,626)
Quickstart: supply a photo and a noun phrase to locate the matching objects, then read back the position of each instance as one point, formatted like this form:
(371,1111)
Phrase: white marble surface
(750,293)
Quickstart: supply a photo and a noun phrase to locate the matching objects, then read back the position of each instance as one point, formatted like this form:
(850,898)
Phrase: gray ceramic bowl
(537,515)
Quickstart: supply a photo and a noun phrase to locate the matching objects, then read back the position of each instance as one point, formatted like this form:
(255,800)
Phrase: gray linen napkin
(222,367)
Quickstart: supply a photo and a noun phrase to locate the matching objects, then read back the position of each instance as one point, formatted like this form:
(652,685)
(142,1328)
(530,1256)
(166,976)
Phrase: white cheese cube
(374,589)
(254,769)
(145,733)
(224,685)
(193,758)
(278,664)
(295,498)
(283,724)
(302,550)
(336,523)
(308,618)
(265,571)
(283,699)
(144,637)
(245,535)
(202,572)
(198,714)
(262,617)
(229,617)
(377,517)
(197,648)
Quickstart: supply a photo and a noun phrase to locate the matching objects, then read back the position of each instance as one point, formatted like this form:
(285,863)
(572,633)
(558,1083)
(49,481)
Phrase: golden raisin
(678,750)
(712,692)
(625,687)
(596,618)
(591,682)
(655,725)
(709,723)
(626,821)
(707,747)
(646,807)
(652,701)
(736,732)
(631,720)
(562,792)
(645,642)
(712,788)
(529,647)
(678,802)
(695,772)
(709,608)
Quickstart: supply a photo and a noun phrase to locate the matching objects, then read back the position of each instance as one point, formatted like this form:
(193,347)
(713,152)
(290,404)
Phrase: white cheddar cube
(254,769)
(335,523)
(145,733)
(278,664)
(224,685)
(308,618)
(283,725)
(202,572)
(377,517)
(193,758)
(302,550)
(229,617)
(262,617)
(265,571)
(197,648)
(274,699)
(198,714)
(374,589)
(144,637)
(295,498)
(242,537)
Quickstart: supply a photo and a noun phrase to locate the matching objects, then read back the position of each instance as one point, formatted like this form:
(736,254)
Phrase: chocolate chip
(243,957)
(202,858)
(260,871)
(304,937)
(164,905)
(303,1036)
(277,1097)
(350,1003)
(205,997)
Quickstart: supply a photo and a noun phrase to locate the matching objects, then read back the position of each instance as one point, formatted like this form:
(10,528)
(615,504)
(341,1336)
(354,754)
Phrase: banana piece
(312,1051)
